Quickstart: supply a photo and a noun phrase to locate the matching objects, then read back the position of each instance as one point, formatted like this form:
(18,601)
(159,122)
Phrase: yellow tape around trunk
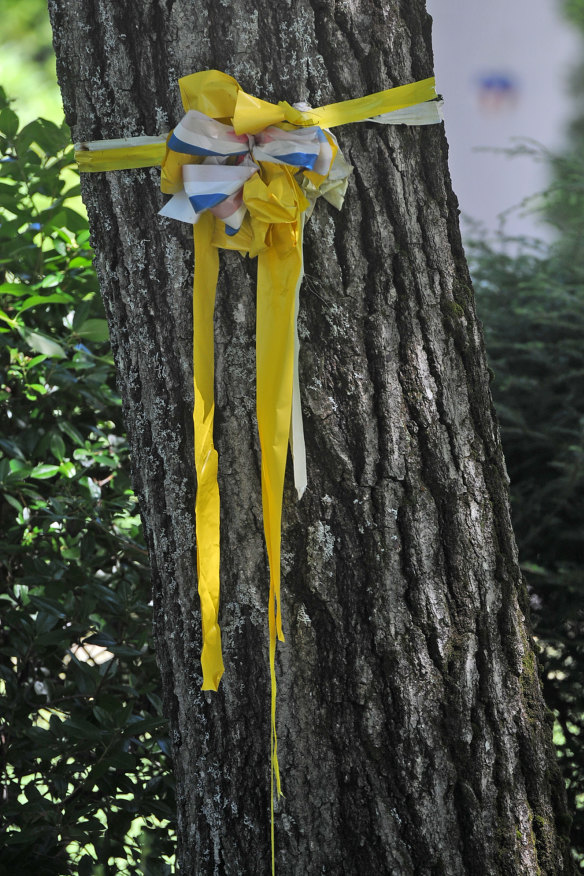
(219,96)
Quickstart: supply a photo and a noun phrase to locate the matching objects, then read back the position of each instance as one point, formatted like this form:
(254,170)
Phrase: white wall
(529,42)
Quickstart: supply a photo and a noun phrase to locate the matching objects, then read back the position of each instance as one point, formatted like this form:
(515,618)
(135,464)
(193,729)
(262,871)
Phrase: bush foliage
(86,777)
(532,306)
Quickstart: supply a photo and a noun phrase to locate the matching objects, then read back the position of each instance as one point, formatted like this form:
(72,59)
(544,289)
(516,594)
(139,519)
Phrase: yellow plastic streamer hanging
(207,500)
(272,231)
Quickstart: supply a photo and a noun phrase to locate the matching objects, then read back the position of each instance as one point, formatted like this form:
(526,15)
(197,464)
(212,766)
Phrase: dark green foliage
(84,760)
(532,306)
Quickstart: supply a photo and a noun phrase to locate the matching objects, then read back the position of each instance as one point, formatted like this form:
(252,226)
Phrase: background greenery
(532,306)
(84,761)
(27,60)
(86,780)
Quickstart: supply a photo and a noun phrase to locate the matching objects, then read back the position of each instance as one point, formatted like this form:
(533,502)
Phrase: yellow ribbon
(219,96)
(272,231)
(206,461)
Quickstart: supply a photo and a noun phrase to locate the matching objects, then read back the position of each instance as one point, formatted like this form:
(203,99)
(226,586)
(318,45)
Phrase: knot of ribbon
(222,182)
(246,174)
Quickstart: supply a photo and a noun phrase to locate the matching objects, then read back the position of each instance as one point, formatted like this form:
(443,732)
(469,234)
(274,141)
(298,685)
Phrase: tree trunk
(413,738)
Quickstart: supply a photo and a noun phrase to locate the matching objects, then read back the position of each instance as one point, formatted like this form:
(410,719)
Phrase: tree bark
(413,738)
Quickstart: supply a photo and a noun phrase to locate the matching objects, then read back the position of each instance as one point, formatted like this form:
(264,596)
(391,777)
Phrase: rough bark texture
(413,736)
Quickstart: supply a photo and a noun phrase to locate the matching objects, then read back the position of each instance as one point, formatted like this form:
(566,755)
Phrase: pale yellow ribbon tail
(207,501)
(297,445)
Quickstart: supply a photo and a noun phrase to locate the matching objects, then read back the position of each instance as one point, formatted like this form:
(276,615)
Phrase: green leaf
(55,637)
(35,361)
(52,280)
(45,622)
(100,639)
(9,200)
(12,500)
(68,218)
(36,387)
(94,330)
(79,728)
(73,192)
(41,343)
(43,300)
(45,134)
(144,725)
(43,471)
(81,314)
(33,794)
(68,469)
(80,261)
(12,449)
(16,289)
(85,866)
(160,809)
(70,430)
(8,123)
(105,718)
(57,445)
(18,470)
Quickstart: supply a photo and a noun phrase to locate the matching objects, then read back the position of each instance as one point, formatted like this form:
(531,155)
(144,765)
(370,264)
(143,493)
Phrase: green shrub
(85,770)
(532,307)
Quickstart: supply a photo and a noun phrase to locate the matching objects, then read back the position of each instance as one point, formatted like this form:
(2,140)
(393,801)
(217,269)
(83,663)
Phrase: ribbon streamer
(246,174)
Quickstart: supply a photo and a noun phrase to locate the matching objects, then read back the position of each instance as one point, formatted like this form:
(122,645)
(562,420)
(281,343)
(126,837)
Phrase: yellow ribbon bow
(277,199)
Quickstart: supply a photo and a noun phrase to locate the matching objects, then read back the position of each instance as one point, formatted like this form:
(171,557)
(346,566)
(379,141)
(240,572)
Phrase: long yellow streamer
(207,501)
(278,273)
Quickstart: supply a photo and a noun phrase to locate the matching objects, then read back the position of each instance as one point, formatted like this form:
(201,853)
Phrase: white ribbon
(429,113)
(297,445)
(211,186)
(217,183)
